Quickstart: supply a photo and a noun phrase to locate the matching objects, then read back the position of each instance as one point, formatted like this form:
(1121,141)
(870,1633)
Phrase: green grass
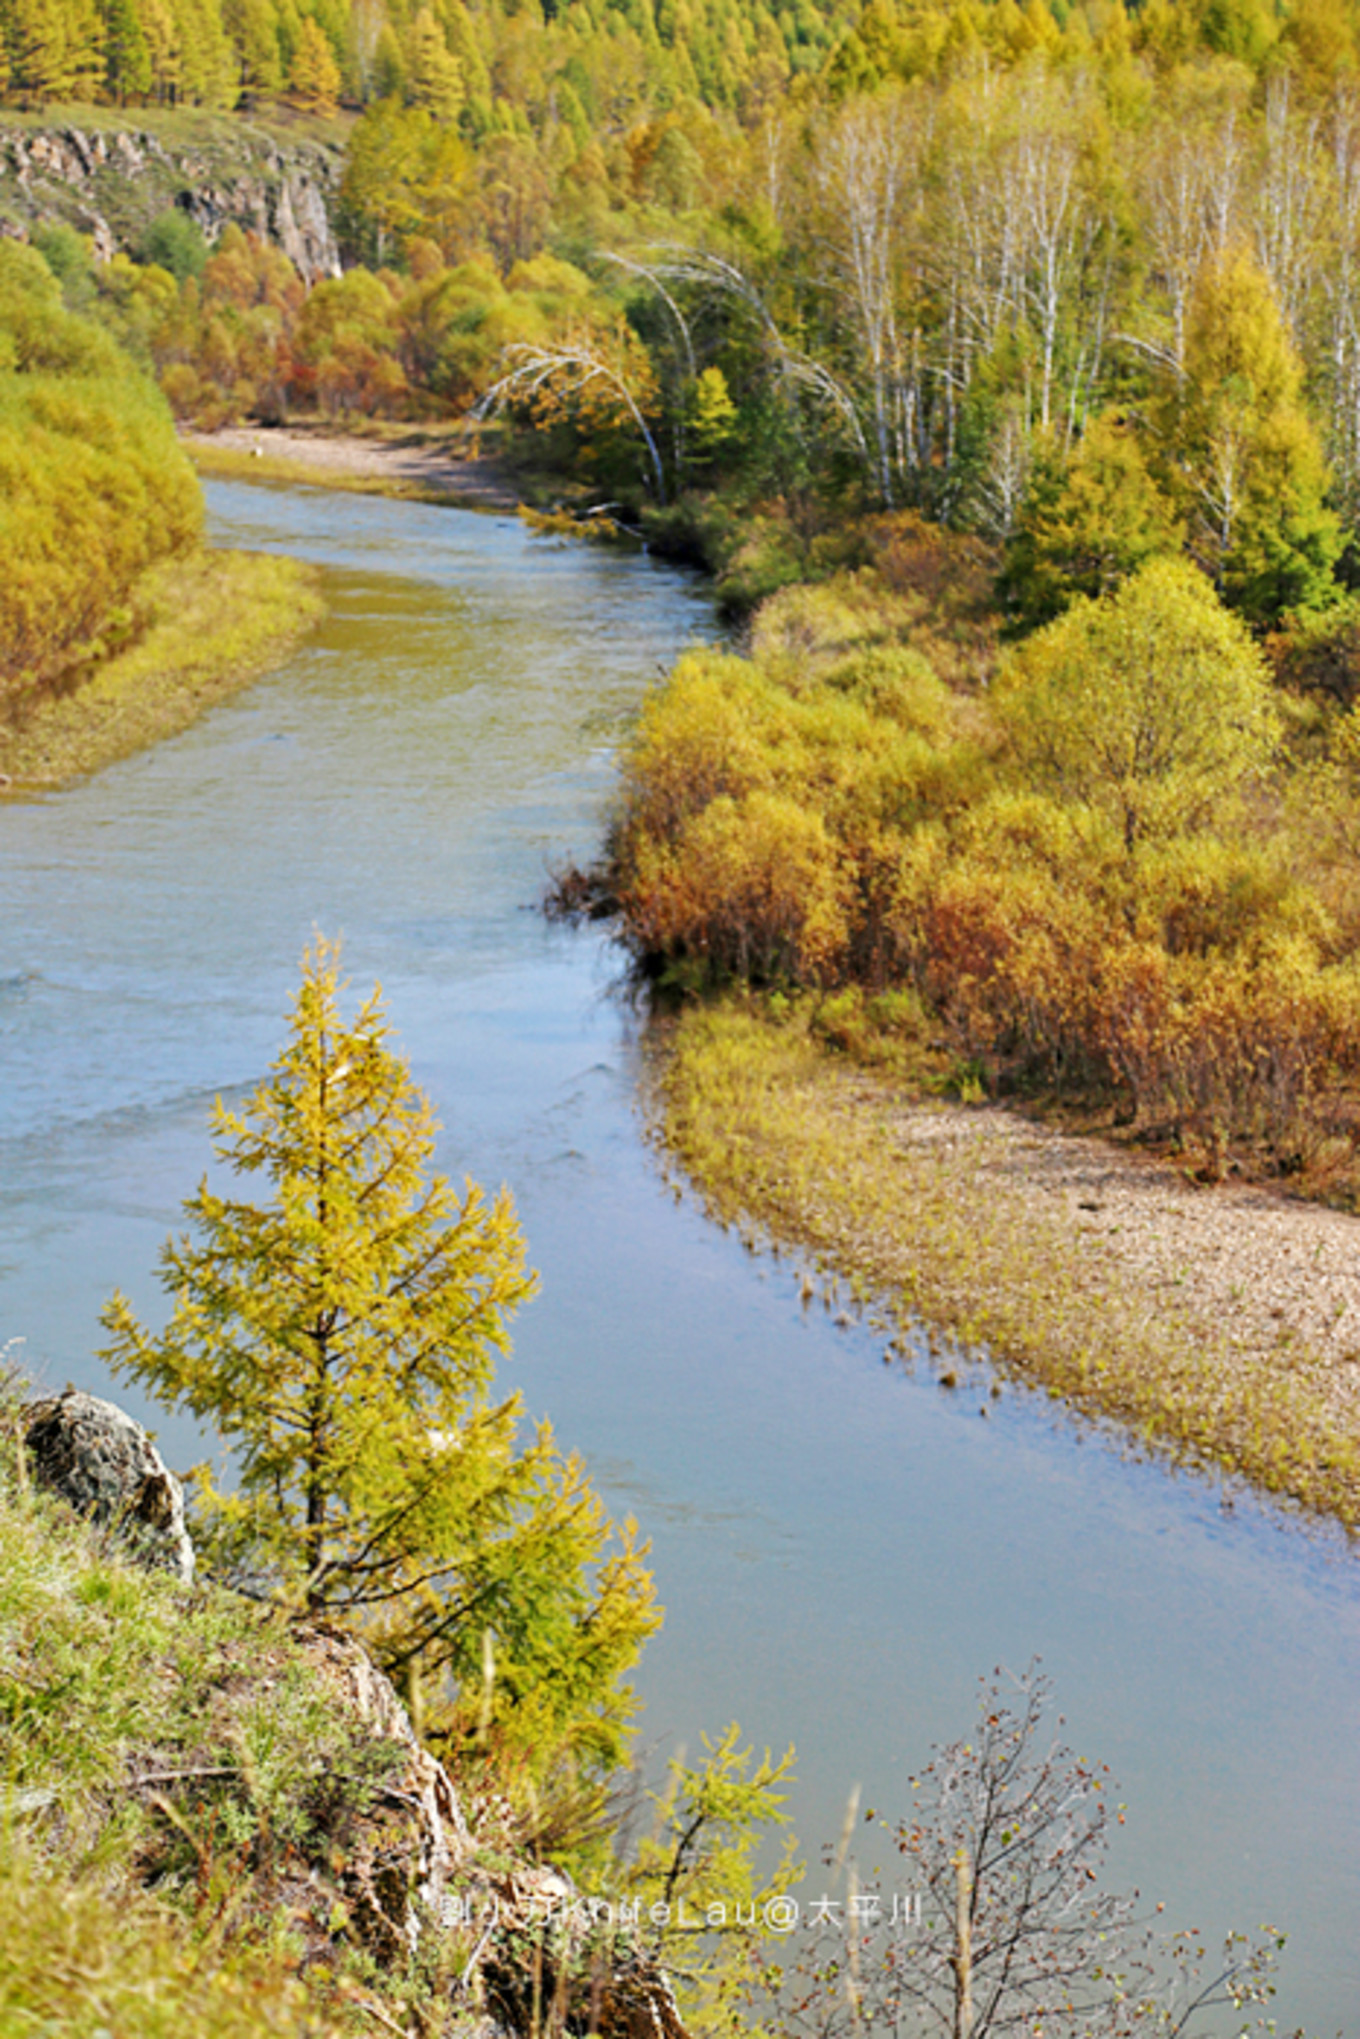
(192,127)
(169,1763)
(77,1960)
(785,1139)
(214,622)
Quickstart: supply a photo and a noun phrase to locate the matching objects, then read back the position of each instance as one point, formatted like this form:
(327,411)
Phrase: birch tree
(863,172)
(1288,205)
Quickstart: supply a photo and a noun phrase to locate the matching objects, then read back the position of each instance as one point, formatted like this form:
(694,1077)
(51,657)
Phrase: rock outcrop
(96,1457)
(111,183)
(399,1873)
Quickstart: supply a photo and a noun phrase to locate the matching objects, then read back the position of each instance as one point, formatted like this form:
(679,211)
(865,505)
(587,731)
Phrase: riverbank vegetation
(885,857)
(905,1216)
(116,627)
(203,627)
(1117,875)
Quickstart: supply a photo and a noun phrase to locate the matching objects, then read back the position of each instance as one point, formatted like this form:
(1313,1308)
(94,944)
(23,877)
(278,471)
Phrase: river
(842,1548)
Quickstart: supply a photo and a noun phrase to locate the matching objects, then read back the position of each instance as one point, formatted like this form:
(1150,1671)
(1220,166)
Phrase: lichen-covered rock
(96,1457)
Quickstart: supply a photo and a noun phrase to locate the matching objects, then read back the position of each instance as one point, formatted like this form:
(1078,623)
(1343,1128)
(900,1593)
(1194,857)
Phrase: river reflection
(841,1549)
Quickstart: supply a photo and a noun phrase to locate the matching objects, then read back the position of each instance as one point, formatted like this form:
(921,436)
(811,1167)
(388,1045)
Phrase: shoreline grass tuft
(782,1138)
(215,622)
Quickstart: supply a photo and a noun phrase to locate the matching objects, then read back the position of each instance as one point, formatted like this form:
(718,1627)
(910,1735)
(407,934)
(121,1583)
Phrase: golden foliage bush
(93,488)
(1089,877)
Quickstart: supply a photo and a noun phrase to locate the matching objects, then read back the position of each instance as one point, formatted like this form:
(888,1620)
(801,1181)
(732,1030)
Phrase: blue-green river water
(841,1548)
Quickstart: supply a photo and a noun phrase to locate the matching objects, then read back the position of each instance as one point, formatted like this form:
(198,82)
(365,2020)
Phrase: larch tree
(341,1335)
(1245,455)
(313,75)
(1086,524)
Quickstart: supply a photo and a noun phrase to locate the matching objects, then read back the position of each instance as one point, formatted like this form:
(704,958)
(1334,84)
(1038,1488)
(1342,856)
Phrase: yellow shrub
(752,886)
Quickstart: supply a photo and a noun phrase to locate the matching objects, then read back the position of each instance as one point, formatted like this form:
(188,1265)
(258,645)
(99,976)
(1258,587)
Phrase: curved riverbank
(1221,1326)
(408,465)
(213,623)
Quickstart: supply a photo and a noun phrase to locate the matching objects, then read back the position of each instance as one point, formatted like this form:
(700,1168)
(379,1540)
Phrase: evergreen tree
(127,61)
(1086,524)
(341,1335)
(433,78)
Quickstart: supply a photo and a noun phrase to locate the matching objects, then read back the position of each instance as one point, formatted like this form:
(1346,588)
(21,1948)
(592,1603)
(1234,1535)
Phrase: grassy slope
(76,1960)
(182,126)
(780,1134)
(107,1672)
(217,621)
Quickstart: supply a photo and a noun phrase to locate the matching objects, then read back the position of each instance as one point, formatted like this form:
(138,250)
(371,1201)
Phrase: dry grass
(215,622)
(896,1200)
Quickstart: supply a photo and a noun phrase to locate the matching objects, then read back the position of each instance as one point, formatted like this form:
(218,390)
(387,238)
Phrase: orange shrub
(752,887)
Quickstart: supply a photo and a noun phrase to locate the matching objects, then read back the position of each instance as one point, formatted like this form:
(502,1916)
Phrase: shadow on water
(842,1548)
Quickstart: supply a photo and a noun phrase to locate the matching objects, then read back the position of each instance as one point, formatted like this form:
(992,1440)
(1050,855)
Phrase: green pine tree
(127,61)
(1086,524)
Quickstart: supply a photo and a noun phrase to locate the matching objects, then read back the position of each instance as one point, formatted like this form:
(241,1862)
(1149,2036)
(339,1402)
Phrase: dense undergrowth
(1118,873)
(116,626)
(94,489)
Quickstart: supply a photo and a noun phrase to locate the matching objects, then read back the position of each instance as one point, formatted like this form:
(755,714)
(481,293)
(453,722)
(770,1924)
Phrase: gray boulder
(94,1455)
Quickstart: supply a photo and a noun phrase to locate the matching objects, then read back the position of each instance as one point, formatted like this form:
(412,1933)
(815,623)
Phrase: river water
(841,1547)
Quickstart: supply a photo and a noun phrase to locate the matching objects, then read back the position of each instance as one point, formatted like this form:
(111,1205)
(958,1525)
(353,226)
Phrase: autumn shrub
(93,489)
(944,584)
(1006,954)
(751,887)
(1239,1047)
(1201,895)
(817,623)
(1091,880)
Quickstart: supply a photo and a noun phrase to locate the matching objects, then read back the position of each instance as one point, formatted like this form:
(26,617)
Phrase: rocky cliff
(111,175)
